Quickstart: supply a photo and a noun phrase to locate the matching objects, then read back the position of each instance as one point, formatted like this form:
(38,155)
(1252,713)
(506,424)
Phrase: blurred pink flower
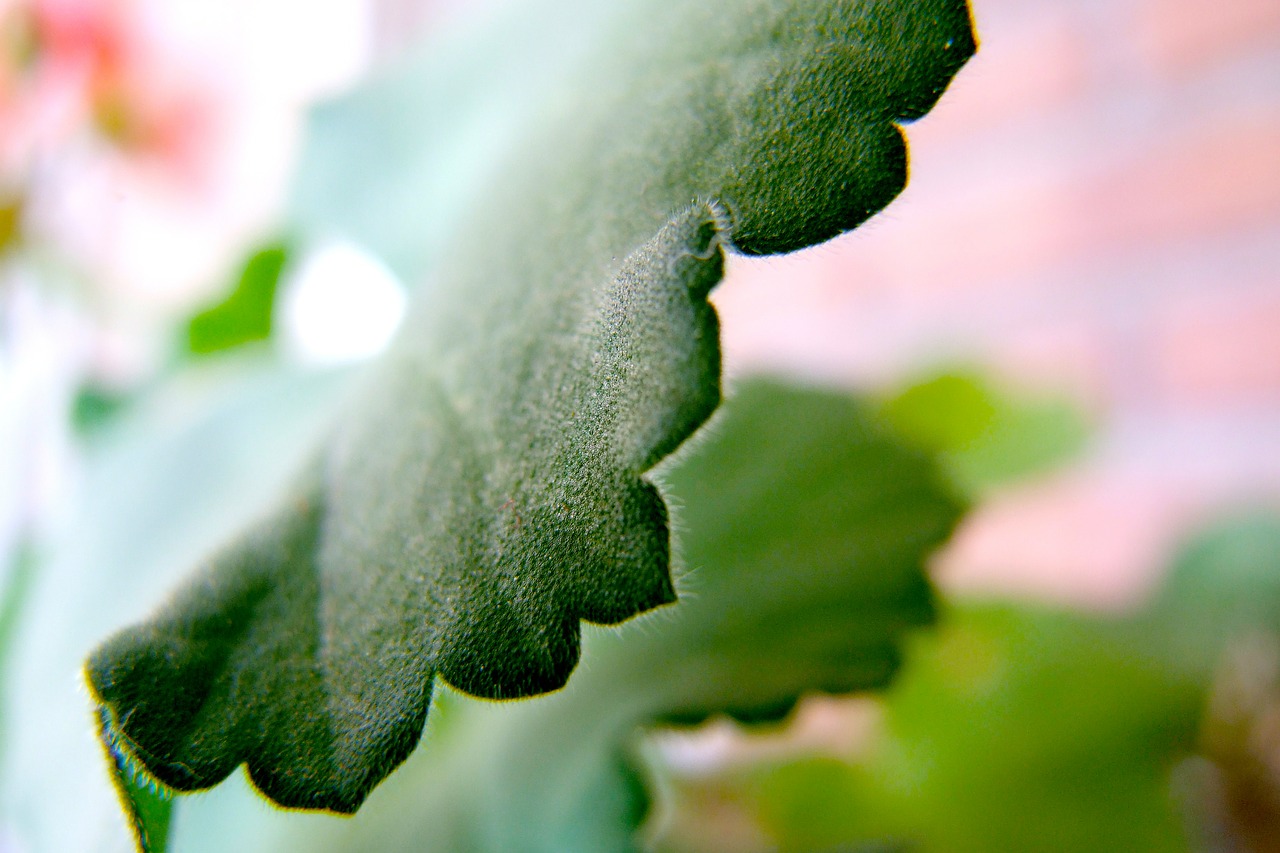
(144,144)
(73,68)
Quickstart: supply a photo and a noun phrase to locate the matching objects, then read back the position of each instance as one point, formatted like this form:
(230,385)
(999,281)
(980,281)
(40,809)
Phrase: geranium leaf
(803,527)
(485,492)
(244,315)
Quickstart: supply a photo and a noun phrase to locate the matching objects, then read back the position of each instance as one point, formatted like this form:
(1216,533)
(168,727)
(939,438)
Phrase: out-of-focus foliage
(986,437)
(94,407)
(245,315)
(485,493)
(18,572)
(1023,728)
(10,223)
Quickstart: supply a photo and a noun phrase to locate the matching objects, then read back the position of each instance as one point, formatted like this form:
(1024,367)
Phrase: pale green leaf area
(802,527)
(986,436)
(394,165)
(1020,728)
(167,479)
(486,490)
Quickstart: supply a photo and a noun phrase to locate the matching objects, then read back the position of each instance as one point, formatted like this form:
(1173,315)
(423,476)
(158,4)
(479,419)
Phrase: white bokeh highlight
(339,304)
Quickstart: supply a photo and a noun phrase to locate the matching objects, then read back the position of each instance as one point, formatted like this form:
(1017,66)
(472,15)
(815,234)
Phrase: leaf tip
(145,800)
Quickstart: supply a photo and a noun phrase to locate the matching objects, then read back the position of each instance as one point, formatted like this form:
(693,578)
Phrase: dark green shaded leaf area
(147,808)
(485,493)
(245,316)
(802,527)
(1024,728)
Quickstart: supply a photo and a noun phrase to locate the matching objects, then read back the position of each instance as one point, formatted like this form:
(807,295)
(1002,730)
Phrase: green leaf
(985,436)
(178,471)
(803,527)
(147,807)
(94,407)
(1022,728)
(245,315)
(1225,583)
(485,492)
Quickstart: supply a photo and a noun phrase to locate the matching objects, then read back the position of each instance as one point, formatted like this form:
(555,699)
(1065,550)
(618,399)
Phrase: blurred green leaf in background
(1027,728)
(245,315)
(985,435)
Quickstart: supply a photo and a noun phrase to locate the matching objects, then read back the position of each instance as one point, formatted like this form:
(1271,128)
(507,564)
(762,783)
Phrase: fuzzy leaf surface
(803,526)
(486,491)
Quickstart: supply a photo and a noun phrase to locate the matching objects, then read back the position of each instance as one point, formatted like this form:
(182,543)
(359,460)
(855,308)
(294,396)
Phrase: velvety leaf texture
(485,493)
(802,527)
